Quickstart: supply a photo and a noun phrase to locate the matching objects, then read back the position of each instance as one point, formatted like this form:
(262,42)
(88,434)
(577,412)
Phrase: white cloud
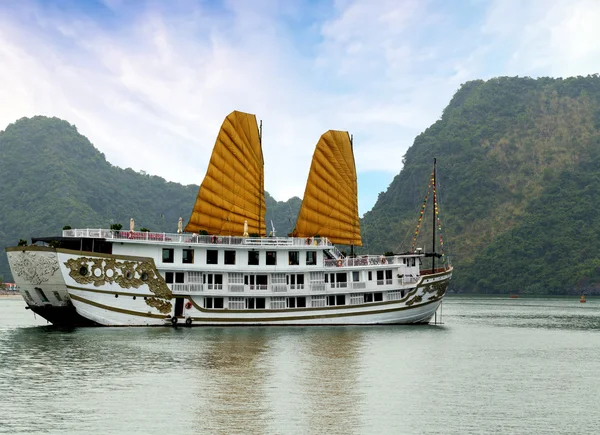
(151,86)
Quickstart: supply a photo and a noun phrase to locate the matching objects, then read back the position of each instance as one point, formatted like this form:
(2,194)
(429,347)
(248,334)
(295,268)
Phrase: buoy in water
(582,299)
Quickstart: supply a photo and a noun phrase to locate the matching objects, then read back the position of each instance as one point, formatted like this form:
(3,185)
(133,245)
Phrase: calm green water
(526,366)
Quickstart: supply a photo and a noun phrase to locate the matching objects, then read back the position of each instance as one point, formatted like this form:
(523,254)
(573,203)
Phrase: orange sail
(233,189)
(330,205)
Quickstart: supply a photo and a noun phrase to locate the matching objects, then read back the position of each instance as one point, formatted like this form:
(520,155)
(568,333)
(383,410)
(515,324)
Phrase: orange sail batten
(330,204)
(232,191)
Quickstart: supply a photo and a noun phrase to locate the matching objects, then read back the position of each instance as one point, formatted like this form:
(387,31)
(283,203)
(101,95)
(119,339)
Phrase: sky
(150,82)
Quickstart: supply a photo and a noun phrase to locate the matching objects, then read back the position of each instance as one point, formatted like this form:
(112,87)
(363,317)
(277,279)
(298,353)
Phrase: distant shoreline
(10,296)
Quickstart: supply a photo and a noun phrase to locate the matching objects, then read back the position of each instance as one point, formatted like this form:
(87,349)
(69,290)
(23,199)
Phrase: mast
(433,224)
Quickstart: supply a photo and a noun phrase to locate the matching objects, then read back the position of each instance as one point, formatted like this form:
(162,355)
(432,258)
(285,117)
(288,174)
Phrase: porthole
(83,271)
(144,276)
(116,295)
(134,298)
(128,275)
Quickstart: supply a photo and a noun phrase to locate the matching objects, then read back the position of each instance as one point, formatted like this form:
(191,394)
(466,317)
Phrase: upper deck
(187,239)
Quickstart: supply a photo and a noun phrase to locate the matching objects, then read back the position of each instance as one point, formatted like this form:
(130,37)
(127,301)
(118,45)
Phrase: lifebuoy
(188,305)
(174,320)
(339,263)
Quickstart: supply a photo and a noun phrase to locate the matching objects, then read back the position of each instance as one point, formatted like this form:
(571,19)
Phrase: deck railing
(187,239)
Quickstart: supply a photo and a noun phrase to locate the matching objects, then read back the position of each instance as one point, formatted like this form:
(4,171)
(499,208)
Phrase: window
(414,263)
(229,257)
(296,281)
(395,295)
(212,256)
(336,300)
(368,297)
(215,281)
(187,256)
(237,303)
(379,296)
(255,303)
(311,258)
(370,275)
(355,276)
(261,282)
(167,255)
(357,298)
(388,277)
(271,258)
(380,277)
(299,302)
(253,257)
(216,303)
(294,258)
(195,277)
(236,282)
(57,296)
(277,303)
(318,301)
(179,277)
(169,277)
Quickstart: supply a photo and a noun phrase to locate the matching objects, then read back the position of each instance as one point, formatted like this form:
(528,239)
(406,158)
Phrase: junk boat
(222,269)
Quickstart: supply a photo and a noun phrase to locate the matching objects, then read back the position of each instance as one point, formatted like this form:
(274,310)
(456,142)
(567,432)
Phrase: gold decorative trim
(116,310)
(99,270)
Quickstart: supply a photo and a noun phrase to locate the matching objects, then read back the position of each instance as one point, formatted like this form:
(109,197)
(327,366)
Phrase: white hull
(74,287)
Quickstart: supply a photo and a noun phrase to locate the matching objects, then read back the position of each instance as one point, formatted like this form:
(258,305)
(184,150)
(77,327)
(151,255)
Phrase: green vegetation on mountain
(518,172)
(53,176)
(518,168)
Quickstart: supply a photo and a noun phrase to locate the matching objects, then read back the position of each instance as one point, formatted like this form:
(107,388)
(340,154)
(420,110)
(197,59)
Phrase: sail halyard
(232,191)
(330,204)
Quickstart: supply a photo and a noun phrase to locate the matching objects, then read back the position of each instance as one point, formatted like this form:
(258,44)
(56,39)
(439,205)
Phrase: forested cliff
(518,167)
(518,171)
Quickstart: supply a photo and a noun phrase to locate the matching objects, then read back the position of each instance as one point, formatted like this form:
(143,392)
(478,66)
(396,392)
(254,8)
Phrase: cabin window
(414,262)
(229,257)
(378,296)
(255,303)
(296,281)
(212,256)
(236,303)
(294,258)
(57,296)
(368,297)
(271,258)
(216,303)
(28,295)
(169,277)
(334,300)
(187,256)
(301,302)
(370,276)
(395,295)
(261,282)
(311,258)
(388,277)
(341,279)
(318,301)
(214,281)
(355,276)
(179,277)
(356,298)
(277,303)
(253,257)
(167,255)
(380,277)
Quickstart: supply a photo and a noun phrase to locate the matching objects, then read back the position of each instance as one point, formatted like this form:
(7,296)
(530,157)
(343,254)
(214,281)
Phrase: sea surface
(496,366)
